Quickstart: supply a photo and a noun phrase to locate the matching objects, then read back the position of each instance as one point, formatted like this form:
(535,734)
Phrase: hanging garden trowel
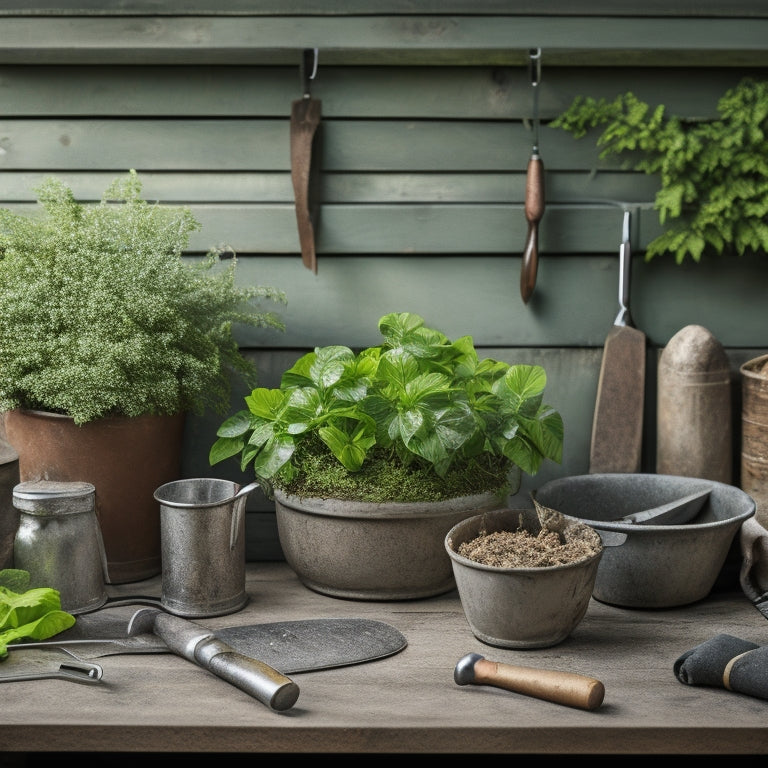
(617,426)
(305,122)
(534,191)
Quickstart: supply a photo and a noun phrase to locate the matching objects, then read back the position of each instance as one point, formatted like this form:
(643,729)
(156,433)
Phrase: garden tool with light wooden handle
(534,192)
(568,688)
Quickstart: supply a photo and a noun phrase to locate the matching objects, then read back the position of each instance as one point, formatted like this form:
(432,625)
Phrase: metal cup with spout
(202,544)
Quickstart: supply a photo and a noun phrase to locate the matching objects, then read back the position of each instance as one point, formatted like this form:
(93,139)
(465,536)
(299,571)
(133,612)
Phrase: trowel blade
(287,646)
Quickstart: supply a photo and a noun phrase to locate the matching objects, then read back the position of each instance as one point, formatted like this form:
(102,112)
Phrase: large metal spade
(258,655)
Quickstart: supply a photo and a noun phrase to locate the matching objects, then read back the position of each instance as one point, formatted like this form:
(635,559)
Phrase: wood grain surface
(409,702)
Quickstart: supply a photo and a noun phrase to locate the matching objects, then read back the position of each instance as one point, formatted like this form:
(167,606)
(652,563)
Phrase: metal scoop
(675,512)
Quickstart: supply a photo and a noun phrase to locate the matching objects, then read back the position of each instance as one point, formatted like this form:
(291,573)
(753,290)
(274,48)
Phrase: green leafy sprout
(714,174)
(418,405)
(25,613)
(101,316)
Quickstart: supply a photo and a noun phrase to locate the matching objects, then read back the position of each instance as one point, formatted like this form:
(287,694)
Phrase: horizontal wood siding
(426,134)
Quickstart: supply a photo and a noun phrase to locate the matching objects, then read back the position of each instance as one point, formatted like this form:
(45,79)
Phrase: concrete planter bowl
(521,607)
(665,537)
(369,551)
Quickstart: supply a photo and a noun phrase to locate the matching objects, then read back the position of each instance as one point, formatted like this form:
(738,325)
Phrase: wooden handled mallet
(567,688)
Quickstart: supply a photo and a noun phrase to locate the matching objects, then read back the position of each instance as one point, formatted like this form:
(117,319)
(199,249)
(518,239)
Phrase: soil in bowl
(521,549)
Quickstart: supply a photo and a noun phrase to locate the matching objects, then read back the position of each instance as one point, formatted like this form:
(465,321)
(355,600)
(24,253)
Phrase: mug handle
(238,507)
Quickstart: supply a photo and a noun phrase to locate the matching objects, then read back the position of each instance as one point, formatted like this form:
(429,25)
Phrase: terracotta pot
(126,459)
(369,551)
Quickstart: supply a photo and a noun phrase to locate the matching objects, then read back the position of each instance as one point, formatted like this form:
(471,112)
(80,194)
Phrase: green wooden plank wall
(426,135)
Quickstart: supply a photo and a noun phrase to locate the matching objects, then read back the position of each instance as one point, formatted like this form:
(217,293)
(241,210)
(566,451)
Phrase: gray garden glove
(728,662)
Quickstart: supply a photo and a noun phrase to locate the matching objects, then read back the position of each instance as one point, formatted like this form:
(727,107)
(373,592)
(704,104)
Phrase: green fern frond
(713,174)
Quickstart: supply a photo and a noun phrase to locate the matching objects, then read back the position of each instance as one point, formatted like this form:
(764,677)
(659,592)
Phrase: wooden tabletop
(407,702)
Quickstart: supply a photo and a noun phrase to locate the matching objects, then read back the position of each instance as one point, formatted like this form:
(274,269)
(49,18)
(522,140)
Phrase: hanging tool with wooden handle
(617,425)
(305,151)
(534,190)
(567,688)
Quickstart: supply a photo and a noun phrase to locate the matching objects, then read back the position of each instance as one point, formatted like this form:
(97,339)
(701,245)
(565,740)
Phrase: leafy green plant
(714,174)
(419,405)
(101,316)
(28,613)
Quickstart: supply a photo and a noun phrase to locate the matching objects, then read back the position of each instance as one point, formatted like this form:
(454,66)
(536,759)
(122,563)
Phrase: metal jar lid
(44,496)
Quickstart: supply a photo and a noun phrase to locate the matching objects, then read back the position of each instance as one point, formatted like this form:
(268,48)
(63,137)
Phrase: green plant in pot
(108,339)
(372,456)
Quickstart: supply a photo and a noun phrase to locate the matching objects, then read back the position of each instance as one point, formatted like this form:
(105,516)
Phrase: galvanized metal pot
(59,542)
(521,607)
(202,533)
(125,459)
(370,551)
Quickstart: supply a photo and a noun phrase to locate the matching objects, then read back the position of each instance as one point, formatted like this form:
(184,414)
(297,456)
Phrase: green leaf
(235,426)
(273,456)
(265,403)
(35,613)
(225,448)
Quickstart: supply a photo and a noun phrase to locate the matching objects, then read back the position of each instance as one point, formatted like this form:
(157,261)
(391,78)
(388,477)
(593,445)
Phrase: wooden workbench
(408,702)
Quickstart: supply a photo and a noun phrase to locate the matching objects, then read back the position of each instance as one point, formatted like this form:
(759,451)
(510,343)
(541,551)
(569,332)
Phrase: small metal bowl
(521,607)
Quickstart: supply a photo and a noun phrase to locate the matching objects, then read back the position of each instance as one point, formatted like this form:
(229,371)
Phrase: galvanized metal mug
(202,543)
(59,541)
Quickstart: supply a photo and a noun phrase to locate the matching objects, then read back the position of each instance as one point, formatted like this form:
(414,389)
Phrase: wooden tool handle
(559,687)
(534,210)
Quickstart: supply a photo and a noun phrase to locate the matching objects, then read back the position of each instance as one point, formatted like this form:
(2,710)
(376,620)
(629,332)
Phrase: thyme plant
(101,316)
(714,174)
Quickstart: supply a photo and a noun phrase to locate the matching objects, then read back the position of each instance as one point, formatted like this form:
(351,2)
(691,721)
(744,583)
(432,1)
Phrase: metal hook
(534,65)
(308,69)
(534,69)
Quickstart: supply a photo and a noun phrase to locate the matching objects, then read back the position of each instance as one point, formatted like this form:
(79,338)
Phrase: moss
(384,478)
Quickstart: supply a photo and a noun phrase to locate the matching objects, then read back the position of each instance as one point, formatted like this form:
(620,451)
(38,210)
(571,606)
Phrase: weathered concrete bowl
(652,565)
(521,607)
(369,551)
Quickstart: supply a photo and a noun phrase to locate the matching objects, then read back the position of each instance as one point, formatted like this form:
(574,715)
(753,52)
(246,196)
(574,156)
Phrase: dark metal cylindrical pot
(202,534)
(9,515)
(59,542)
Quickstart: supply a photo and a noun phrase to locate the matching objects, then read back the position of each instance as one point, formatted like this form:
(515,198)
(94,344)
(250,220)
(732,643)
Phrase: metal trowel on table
(255,658)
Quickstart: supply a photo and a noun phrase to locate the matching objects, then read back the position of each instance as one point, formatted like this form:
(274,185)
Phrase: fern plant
(101,316)
(714,174)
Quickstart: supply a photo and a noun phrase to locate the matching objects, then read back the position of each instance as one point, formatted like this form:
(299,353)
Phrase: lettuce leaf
(32,613)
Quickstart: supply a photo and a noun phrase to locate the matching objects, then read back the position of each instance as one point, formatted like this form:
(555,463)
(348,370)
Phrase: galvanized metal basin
(652,566)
